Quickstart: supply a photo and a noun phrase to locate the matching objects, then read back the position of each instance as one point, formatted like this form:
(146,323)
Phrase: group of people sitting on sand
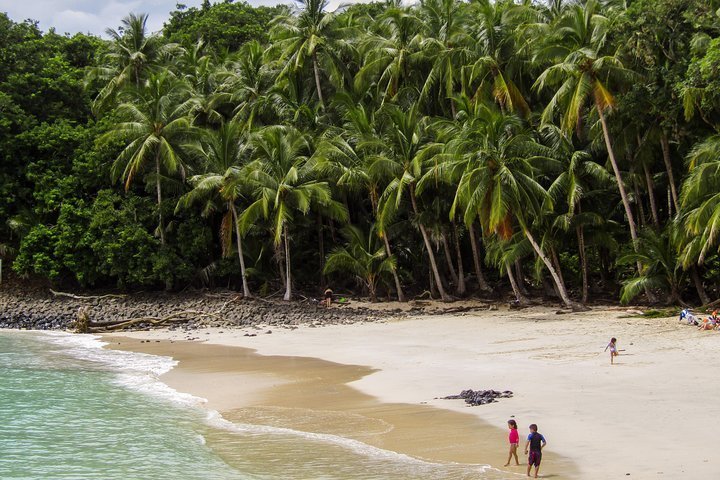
(711,322)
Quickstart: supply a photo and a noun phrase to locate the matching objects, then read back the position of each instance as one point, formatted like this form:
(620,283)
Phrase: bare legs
(513,453)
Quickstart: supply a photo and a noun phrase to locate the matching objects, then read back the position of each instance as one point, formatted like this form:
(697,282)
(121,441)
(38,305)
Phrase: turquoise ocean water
(70,409)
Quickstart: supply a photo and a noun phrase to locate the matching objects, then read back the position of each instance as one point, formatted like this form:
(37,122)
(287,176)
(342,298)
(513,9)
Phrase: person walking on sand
(613,349)
(535,443)
(514,438)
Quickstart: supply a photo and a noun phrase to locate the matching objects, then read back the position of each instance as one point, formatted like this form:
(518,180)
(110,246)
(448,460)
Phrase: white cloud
(96,16)
(89,16)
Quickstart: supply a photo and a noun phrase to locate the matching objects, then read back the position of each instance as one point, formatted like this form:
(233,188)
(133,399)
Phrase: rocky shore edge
(32,305)
(41,309)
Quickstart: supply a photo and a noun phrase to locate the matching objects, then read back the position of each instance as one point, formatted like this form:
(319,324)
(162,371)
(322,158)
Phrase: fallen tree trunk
(85,297)
(83,324)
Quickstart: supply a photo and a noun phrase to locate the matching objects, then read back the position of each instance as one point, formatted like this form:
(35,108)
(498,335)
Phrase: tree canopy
(446,148)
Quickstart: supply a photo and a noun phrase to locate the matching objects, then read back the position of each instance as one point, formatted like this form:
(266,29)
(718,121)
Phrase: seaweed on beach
(480,397)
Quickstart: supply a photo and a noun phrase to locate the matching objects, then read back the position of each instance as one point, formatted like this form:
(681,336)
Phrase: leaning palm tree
(222,154)
(500,185)
(156,127)
(580,74)
(364,257)
(282,184)
(576,181)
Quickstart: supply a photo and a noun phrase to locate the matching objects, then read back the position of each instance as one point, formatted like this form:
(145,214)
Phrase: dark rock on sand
(480,397)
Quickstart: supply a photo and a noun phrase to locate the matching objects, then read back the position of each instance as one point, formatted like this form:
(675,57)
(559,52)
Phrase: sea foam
(136,371)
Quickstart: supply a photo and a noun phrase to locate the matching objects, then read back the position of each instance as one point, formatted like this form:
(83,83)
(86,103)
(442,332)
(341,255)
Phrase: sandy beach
(650,415)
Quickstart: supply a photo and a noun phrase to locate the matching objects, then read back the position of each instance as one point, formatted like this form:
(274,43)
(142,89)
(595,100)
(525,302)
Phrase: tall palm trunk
(398,286)
(583,262)
(136,70)
(651,196)
(623,195)
(699,285)
(668,166)
(246,290)
(396,278)
(279,255)
(476,260)
(288,278)
(316,68)
(520,277)
(448,258)
(431,282)
(548,264)
(161,227)
(556,264)
(372,287)
(458,253)
(618,177)
(639,205)
(519,295)
(428,246)
(321,247)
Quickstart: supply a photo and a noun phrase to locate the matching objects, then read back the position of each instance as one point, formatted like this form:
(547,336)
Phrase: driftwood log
(83,323)
(85,297)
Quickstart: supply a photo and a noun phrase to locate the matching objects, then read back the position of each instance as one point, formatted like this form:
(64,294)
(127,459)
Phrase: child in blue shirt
(535,443)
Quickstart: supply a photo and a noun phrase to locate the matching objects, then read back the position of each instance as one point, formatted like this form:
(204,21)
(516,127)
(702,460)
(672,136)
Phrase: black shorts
(535,457)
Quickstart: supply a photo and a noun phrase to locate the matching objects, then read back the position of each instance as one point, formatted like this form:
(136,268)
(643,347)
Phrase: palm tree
(221,185)
(700,199)
(499,182)
(499,62)
(581,73)
(391,52)
(344,156)
(363,257)
(156,127)
(283,184)
(303,36)
(576,181)
(662,270)
(132,55)
(250,83)
(407,146)
(446,46)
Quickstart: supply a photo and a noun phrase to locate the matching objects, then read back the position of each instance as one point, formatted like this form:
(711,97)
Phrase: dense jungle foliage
(569,148)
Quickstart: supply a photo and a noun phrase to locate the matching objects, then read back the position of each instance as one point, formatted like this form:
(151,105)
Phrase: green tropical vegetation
(450,148)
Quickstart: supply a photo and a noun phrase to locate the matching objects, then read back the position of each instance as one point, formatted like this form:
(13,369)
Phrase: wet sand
(313,395)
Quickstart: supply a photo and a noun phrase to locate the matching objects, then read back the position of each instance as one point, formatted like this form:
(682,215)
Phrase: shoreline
(606,421)
(313,395)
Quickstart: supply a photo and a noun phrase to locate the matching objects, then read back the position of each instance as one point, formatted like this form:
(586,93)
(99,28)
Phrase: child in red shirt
(514,439)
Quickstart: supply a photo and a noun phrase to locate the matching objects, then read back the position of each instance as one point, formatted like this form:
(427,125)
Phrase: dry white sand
(651,415)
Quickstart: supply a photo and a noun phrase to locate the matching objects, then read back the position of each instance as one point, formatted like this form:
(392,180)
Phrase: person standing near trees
(328,297)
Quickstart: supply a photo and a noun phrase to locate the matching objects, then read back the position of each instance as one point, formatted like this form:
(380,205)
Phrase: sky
(95,16)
